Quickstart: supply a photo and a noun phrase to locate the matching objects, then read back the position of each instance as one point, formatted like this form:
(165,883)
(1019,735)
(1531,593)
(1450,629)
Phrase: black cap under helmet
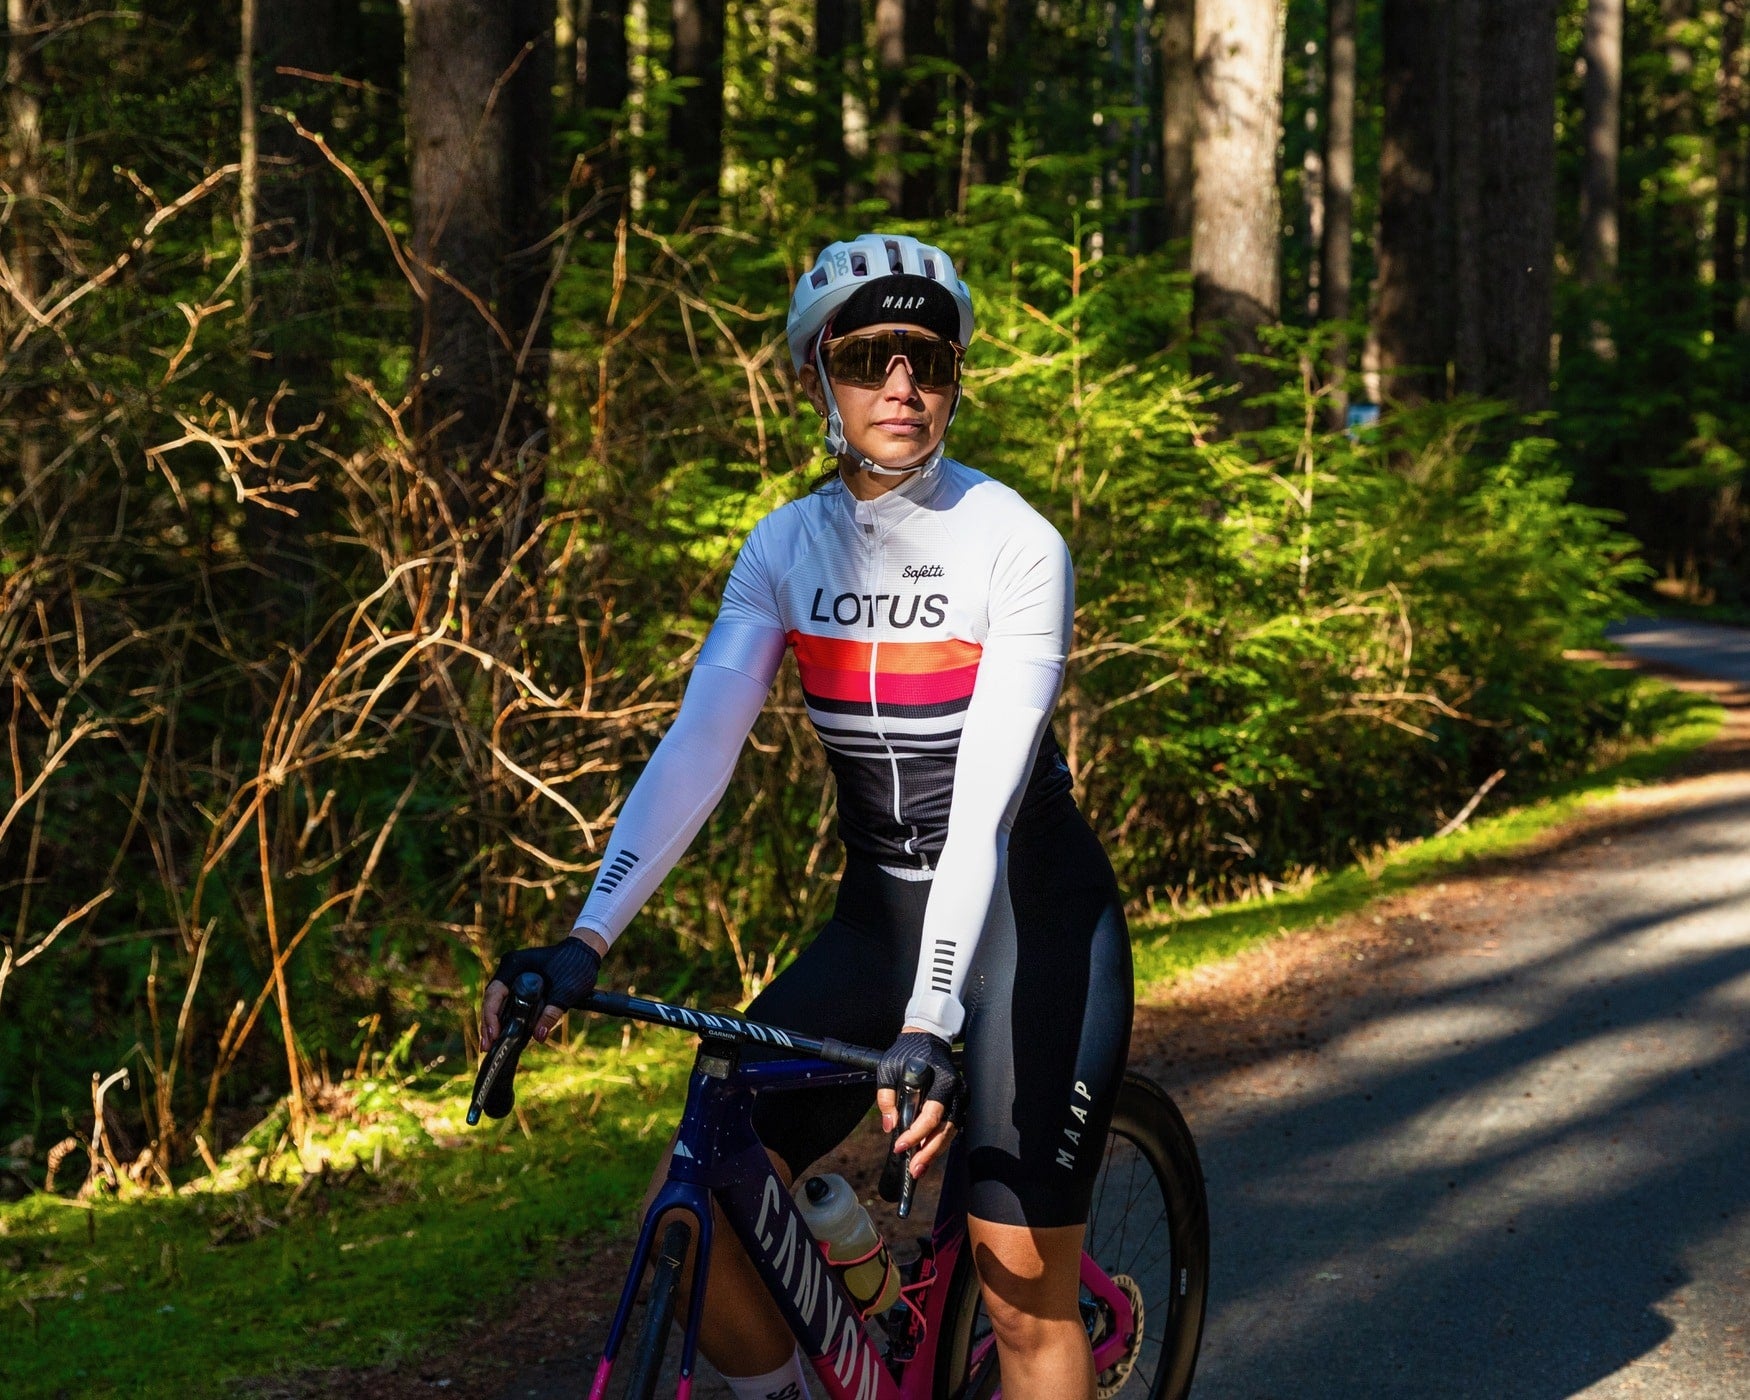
(902,298)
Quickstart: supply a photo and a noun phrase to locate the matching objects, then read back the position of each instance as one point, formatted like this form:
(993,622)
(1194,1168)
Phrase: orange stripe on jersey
(829,653)
(917,658)
(843,654)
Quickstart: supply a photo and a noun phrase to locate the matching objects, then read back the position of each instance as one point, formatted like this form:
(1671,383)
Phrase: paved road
(1722,653)
(1514,1162)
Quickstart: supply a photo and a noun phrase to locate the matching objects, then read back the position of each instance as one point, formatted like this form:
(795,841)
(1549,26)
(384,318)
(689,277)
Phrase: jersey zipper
(871,578)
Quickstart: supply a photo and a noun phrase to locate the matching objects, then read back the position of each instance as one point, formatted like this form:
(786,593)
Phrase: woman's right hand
(568,968)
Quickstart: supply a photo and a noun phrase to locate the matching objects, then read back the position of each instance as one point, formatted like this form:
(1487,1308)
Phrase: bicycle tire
(659,1311)
(1149,1177)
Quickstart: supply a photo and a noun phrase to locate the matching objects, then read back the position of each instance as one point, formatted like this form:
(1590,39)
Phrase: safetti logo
(914,572)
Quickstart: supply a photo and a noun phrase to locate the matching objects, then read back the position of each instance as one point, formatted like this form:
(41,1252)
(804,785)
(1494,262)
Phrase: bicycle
(1144,1267)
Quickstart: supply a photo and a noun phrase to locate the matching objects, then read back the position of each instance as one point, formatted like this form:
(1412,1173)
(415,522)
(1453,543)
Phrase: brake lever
(495,1084)
(897,1182)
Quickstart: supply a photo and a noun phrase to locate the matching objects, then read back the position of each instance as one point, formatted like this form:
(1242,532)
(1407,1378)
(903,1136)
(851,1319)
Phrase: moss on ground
(359,1262)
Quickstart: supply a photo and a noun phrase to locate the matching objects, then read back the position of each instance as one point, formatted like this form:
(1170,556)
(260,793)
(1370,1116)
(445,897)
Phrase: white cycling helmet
(843,268)
(839,273)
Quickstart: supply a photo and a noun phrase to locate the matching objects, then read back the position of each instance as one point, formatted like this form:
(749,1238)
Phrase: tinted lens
(864,360)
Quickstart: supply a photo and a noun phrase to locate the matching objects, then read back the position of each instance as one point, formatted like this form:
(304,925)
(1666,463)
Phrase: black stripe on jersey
(901,742)
(863,707)
(874,748)
(825,729)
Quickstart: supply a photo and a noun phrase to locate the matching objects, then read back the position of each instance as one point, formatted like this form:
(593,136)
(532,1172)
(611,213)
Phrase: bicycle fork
(675,1195)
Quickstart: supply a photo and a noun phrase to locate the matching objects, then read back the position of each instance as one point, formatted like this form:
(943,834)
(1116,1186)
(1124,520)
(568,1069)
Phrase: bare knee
(1030,1280)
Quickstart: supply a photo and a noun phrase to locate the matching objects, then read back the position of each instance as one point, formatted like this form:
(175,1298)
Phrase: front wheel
(658,1313)
(1148,1230)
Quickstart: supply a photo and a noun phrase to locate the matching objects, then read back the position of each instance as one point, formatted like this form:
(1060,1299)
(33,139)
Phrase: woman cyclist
(929,610)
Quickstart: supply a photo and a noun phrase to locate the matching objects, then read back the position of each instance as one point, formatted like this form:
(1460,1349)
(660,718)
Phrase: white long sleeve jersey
(930,627)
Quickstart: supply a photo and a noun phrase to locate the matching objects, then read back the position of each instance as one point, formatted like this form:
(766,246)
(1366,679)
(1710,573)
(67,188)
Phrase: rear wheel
(658,1313)
(1148,1230)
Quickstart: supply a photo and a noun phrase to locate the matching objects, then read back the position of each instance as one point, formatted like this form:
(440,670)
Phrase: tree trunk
(890,108)
(1011,81)
(23,165)
(289,196)
(294,189)
(1602,47)
(1236,279)
(1506,215)
(604,84)
(1336,253)
(1674,237)
(607,65)
(479,83)
(567,50)
(696,125)
(831,160)
(1729,139)
(920,184)
(24,128)
(1413,302)
(972,33)
(1178,115)
(1141,136)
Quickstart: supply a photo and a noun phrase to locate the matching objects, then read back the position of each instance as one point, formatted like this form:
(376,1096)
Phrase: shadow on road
(1492,1170)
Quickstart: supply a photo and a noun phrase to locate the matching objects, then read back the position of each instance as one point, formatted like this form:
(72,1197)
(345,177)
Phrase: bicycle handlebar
(728,1026)
(495,1085)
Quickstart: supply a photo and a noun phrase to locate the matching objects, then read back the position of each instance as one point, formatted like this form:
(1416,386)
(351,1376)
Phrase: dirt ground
(1222,1029)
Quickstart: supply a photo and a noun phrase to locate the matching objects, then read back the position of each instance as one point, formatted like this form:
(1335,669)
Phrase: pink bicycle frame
(718,1157)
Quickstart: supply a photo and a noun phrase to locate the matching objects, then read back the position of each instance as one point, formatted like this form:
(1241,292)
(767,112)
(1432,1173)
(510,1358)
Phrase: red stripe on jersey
(908,673)
(902,689)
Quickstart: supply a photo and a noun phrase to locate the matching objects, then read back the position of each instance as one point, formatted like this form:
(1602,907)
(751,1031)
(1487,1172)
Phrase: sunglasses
(865,361)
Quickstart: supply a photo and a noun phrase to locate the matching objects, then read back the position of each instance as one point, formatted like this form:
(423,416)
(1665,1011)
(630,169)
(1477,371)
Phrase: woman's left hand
(933,1127)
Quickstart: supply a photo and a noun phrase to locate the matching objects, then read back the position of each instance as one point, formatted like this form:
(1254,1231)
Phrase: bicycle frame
(718,1156)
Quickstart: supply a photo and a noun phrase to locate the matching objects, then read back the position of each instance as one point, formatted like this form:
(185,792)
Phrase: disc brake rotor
(1113,1378)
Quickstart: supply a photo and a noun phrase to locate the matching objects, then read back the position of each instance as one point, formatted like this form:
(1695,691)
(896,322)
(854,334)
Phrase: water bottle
(853,1245)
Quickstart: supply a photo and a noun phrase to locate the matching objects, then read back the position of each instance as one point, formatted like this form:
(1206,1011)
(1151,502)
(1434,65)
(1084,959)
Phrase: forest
(385,390)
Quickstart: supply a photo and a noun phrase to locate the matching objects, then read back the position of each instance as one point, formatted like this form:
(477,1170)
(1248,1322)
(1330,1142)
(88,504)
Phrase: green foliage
(1291,645)
(1168,944)
(399,1222)
(274,700)
(307,713)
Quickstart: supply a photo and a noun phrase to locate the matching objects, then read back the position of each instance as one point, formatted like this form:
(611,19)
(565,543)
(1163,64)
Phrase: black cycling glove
(942,1083)
(568,968)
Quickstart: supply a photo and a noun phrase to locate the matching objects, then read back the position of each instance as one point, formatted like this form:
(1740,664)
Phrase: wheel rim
(1128,1237)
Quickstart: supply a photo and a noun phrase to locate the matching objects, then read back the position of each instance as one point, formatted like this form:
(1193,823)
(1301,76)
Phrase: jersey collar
(912,493)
